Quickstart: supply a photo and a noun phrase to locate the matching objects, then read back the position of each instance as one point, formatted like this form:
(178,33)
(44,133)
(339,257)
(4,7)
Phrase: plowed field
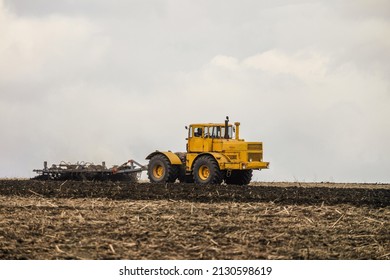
(108,220)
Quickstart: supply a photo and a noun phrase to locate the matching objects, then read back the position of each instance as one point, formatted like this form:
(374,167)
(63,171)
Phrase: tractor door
(207,140)
(195,139)
(200,139)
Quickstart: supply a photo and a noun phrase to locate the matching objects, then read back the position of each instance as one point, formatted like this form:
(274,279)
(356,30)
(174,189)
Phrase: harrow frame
(130,170)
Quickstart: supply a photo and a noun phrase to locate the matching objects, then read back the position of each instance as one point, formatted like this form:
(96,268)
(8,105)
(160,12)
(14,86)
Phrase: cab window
(219,132)
(216,132)
(198,132)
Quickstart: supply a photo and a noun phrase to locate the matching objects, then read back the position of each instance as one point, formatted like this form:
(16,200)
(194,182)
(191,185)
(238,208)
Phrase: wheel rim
(158,171)
(204,172)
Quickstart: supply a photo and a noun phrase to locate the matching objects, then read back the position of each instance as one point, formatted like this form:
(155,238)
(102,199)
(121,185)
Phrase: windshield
(219,132)
(216,131)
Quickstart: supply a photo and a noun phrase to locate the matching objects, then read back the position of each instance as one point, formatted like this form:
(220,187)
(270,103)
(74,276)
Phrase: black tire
(206,171)
(160,170)
(183,176)
(239,177)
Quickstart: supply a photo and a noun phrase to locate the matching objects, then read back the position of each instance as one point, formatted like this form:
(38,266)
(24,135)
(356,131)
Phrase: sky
(98,80)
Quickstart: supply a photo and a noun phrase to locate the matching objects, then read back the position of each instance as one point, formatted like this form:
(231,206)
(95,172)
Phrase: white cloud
(52,49)
(227,62)
(306,65)
(39,59)
(358,9)
(100,82)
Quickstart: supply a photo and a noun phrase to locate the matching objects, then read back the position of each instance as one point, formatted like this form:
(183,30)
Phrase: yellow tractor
(212,156)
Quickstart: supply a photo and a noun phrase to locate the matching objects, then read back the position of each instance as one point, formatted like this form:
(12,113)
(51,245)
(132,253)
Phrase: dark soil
(371,195)
(109,220)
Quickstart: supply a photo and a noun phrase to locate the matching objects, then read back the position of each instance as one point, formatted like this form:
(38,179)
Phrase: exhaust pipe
(226,128)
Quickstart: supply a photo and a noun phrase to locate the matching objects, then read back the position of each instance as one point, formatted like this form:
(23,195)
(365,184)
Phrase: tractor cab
(215,131)
(206,137)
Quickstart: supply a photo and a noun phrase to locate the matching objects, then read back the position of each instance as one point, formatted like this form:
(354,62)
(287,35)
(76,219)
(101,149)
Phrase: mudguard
(220,158)
(172,157)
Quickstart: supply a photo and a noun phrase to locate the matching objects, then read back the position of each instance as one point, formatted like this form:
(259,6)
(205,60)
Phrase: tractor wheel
(160,170)
(239,177)
(206,171)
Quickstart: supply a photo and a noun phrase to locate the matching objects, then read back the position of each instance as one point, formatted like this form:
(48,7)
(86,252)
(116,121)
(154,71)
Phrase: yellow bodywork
(173,158)
(230,153)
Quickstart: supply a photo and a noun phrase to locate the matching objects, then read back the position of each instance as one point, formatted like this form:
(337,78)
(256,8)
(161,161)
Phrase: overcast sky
(98,80)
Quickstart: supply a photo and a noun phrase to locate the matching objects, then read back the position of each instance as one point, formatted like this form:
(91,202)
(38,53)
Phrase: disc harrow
(87,171)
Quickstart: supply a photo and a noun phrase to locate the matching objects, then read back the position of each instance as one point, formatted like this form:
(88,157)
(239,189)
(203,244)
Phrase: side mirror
(186,127)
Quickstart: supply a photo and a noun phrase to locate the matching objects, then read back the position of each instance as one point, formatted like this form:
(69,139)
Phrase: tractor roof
(208,124)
